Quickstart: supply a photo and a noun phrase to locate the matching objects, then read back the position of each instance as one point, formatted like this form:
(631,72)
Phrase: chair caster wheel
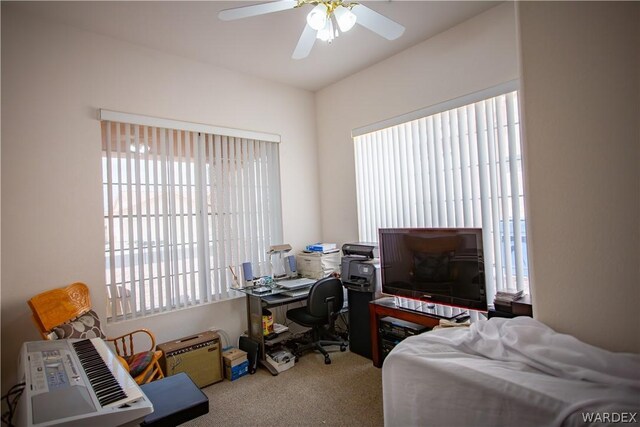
(343,348)
(327,361)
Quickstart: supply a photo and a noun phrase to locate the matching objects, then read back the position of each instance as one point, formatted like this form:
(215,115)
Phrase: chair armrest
(124,344)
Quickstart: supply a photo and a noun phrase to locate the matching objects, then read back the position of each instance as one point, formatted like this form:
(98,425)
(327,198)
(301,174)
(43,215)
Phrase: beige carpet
(348,392)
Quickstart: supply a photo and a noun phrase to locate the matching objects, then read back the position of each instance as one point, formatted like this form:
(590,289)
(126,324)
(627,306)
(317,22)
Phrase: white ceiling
(261,45)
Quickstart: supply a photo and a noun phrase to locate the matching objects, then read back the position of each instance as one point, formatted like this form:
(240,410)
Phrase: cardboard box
(234,357)
(282,366)
(235,372)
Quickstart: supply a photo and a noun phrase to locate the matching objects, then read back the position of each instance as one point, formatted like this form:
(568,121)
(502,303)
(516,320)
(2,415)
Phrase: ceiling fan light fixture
(317,18)
(345,18)
(326,34)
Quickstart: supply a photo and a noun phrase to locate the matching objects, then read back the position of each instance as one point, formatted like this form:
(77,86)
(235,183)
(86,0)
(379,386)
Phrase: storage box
(232,373)
(282,366)
(234,357)
(316,265)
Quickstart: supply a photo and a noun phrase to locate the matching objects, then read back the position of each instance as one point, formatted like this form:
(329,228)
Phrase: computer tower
(199,356)
(359,329)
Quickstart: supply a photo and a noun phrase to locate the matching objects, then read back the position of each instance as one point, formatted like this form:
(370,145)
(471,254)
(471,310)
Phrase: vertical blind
(457,168)
(182,211)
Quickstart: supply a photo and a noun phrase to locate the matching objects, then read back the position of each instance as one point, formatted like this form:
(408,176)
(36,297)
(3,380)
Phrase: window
(182,211)
(456,168)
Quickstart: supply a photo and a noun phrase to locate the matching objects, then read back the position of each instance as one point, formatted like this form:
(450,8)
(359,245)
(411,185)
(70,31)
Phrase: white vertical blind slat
(175,212)
(123,296)
(425,170)
(241,191)
(215,148)
(501,158)
(130,214)
(475,166)
(139,219)
(370,195)
(390,181)
(456,168)
(224,209)
(465,169)
(377,187)
(112,260)
(233,207)
(166,142)
(264,200)
(155,148)
(418,179)
(201,229)
(513,142)
(183,192)
(440,173)
(246,201)
(493,193)
(411,179)
(433,173)
(253,229)
(447,168)
(149,264)
(362,226)
(483,173)
(190,214)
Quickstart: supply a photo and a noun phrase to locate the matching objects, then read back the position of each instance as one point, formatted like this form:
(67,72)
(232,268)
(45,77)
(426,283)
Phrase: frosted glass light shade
(326,33)
(317,18)
(346,19)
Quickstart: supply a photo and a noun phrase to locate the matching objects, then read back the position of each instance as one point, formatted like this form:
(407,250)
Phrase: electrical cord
(11,399)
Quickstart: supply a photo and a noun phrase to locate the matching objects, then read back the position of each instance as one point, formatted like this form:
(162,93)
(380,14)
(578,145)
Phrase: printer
(359,265)
(359,268)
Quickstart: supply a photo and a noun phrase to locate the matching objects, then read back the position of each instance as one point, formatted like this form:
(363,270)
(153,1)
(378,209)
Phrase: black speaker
(251,347)
(359,332)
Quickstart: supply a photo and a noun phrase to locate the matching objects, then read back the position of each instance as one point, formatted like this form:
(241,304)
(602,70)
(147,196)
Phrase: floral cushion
(139,362)
(85,326)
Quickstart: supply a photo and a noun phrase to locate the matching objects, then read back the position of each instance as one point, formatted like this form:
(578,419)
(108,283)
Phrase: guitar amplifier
(199,356)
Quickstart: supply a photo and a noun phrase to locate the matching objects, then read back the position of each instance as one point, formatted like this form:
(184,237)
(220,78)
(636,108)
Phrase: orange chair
(66,313)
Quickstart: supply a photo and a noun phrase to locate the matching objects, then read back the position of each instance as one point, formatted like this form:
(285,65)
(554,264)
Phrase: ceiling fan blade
(377,23)
(305,43)
(256,9)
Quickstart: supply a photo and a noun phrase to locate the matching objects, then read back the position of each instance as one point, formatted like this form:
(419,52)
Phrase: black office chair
(323,306)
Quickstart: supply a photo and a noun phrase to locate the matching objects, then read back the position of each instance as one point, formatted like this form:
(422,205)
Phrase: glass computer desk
(257,298)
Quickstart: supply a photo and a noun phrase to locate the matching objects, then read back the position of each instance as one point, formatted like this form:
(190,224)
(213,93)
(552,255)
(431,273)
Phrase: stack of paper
(503,299)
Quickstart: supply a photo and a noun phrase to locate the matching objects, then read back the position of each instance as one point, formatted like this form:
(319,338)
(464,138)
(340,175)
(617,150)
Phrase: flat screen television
(439,265)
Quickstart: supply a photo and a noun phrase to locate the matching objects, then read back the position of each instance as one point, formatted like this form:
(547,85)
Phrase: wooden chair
(56,307)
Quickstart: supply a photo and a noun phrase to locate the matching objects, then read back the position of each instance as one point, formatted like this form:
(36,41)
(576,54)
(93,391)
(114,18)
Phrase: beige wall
(581,76)
(472,56)
(581,105)
(54,78)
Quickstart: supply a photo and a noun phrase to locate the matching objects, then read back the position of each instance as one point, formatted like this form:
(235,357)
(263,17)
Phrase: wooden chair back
(55,307)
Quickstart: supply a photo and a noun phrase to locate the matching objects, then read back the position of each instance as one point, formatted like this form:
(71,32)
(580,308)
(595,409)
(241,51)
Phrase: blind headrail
(451,104)
(139,119)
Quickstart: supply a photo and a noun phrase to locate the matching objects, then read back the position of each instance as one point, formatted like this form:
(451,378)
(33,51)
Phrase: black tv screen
(440,265)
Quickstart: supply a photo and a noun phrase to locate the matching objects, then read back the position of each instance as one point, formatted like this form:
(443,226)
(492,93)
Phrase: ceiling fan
(320,21)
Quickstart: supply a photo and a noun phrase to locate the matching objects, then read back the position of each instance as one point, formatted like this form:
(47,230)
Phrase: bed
(507,372)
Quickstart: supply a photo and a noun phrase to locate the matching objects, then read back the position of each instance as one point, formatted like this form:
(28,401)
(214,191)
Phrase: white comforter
(506,372)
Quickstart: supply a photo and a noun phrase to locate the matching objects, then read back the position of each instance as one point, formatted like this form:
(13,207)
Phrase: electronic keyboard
(77,383)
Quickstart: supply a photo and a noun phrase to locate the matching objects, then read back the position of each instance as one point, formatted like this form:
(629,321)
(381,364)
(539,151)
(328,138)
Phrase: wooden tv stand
(386,306)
